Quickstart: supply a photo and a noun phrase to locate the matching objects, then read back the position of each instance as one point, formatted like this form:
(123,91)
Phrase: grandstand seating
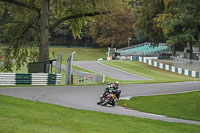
(143,49)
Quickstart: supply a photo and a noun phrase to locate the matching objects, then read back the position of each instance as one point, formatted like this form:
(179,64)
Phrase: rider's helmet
(116,83)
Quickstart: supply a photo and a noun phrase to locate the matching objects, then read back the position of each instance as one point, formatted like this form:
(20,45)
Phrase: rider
(112,88)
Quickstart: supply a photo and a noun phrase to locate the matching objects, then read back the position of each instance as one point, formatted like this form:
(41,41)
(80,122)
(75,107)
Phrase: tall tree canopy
(30,21)
(114,30)
(180,22)
(148,10)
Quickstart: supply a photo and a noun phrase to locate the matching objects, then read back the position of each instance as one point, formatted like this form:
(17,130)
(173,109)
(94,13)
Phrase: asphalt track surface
(111,72)
(86,97)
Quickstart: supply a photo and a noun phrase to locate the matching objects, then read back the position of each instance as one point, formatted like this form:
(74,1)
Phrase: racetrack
(109,71)
(86,97)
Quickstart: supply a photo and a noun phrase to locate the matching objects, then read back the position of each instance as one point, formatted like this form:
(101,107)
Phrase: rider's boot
(112,103)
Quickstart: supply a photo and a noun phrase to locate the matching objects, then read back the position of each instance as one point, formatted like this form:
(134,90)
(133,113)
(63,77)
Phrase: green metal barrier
(23,79)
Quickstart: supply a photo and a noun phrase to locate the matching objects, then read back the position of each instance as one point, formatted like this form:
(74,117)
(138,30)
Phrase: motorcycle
(109,98)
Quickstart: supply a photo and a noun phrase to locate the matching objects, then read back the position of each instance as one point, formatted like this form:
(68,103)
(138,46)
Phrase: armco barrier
(89,76)
(7,79)
(30,79)
(182,71)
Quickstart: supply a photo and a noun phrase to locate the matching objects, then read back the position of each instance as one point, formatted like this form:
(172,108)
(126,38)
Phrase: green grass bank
(185,105)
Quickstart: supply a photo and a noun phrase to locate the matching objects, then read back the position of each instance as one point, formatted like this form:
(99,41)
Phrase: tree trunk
(174,50)
(44,31)
(189,45)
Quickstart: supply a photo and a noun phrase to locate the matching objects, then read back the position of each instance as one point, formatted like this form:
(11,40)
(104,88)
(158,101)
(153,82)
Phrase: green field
(24,116)
(82,54)
(185,106)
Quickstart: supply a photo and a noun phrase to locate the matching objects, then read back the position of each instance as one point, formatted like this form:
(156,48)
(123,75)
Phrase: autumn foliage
(113,30)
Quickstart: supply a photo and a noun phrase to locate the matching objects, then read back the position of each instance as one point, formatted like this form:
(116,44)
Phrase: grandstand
(143,49)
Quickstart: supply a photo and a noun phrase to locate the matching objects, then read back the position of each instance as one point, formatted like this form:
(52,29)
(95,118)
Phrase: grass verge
(157,75)
(82,54)
(185,105)
(22,116)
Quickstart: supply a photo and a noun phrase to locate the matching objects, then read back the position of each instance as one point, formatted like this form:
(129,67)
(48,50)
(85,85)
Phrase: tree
(148,10)
(114,30)
(138,34)
(180,22)
(33,19)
